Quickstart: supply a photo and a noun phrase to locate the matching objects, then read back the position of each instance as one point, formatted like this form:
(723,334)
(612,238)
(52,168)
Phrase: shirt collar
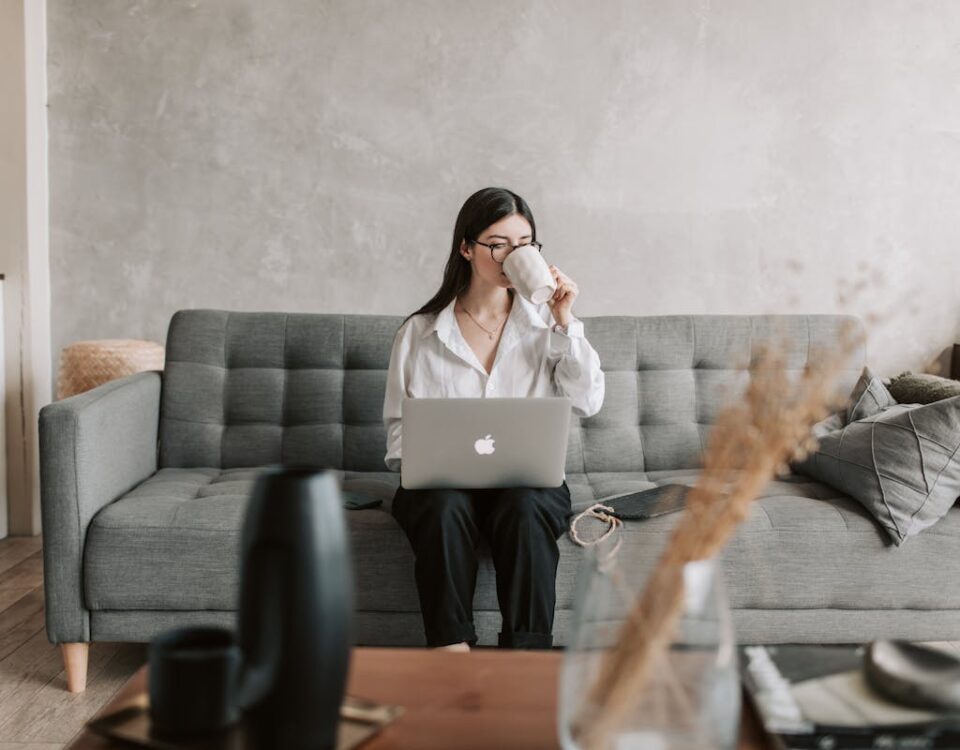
(442,323)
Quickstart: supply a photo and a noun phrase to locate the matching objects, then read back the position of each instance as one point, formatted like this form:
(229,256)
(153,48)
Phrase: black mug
(193,673)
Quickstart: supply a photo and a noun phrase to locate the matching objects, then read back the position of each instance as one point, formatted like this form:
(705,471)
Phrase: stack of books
(817,697)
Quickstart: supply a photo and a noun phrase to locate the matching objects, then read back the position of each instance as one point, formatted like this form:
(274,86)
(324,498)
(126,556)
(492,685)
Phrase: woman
(477,338)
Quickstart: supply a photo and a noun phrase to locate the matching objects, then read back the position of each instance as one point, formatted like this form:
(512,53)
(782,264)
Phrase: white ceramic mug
(530,274)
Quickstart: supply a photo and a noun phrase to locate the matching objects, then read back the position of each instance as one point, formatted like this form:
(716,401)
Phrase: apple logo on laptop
(484,446)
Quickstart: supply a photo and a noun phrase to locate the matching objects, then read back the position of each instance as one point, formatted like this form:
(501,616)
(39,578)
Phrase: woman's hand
(562,300)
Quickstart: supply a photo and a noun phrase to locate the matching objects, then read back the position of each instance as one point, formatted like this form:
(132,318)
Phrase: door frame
(25,255)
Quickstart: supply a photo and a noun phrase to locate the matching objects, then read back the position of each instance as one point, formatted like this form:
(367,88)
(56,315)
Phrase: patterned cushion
(901,463)
(869,397)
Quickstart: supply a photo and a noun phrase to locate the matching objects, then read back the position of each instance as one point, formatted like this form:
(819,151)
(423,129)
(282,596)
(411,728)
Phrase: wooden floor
(36,711)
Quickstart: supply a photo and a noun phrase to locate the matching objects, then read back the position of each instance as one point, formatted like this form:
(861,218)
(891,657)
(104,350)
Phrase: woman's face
(513,229)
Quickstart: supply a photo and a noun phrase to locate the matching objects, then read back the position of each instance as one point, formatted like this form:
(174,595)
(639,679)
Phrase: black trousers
(521,525)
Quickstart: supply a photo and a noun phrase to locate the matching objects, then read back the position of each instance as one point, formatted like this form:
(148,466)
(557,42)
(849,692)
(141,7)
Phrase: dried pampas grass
(751,441)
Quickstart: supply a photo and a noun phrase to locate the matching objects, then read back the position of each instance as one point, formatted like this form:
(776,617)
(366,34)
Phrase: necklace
(490,334)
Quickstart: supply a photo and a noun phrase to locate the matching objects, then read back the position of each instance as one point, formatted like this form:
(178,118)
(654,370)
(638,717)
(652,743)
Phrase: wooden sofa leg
(75,664)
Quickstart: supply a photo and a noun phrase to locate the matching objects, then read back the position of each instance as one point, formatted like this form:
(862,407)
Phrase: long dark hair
(483,208)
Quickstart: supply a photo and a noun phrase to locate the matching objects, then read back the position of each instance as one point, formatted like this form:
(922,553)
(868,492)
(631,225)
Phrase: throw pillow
(831,424)
(902,464)
(920,388)
(869,396)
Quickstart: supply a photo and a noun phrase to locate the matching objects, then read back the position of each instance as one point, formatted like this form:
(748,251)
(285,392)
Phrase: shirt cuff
(574,329)
(564,344)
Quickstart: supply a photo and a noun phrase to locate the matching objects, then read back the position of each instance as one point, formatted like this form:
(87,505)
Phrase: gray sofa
(144,481)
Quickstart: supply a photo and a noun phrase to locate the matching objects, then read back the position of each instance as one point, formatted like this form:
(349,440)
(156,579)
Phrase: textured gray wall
(681,156)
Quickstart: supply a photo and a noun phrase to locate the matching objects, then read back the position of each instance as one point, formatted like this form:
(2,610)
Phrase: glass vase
(691,696)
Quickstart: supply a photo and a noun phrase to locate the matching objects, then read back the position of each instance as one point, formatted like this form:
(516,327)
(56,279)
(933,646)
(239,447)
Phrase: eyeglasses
(500,250)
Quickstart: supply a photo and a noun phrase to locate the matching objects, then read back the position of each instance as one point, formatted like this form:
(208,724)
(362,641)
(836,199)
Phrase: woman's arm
(576,365)
(576,369)
(396,391)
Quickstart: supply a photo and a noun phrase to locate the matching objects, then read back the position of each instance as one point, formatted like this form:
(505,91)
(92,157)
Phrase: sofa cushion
(248,389)
(807,546)
(172,543)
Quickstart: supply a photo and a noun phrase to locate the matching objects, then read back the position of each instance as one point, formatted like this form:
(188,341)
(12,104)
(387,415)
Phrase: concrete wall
(681,156)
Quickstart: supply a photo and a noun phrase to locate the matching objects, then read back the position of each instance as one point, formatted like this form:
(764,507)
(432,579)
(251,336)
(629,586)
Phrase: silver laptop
(474,443)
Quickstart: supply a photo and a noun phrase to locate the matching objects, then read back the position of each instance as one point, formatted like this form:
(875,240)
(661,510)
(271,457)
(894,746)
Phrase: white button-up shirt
(431,359)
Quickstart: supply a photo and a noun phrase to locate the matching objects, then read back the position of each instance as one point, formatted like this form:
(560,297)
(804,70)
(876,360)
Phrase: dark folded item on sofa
(353,500)
(656,501)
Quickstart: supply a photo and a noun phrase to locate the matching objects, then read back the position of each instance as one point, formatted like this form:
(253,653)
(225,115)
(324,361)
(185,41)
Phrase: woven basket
(87,364)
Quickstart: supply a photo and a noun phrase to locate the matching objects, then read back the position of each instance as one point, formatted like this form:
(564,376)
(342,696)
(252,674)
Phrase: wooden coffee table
(483,699)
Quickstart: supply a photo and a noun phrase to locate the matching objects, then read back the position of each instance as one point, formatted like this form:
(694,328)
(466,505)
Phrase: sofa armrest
(94,447)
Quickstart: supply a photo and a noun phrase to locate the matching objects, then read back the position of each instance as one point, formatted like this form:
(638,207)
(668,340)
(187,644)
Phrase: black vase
(295,609)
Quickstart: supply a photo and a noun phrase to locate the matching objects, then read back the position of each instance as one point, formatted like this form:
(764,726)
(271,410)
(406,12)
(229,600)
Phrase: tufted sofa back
(250,389)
